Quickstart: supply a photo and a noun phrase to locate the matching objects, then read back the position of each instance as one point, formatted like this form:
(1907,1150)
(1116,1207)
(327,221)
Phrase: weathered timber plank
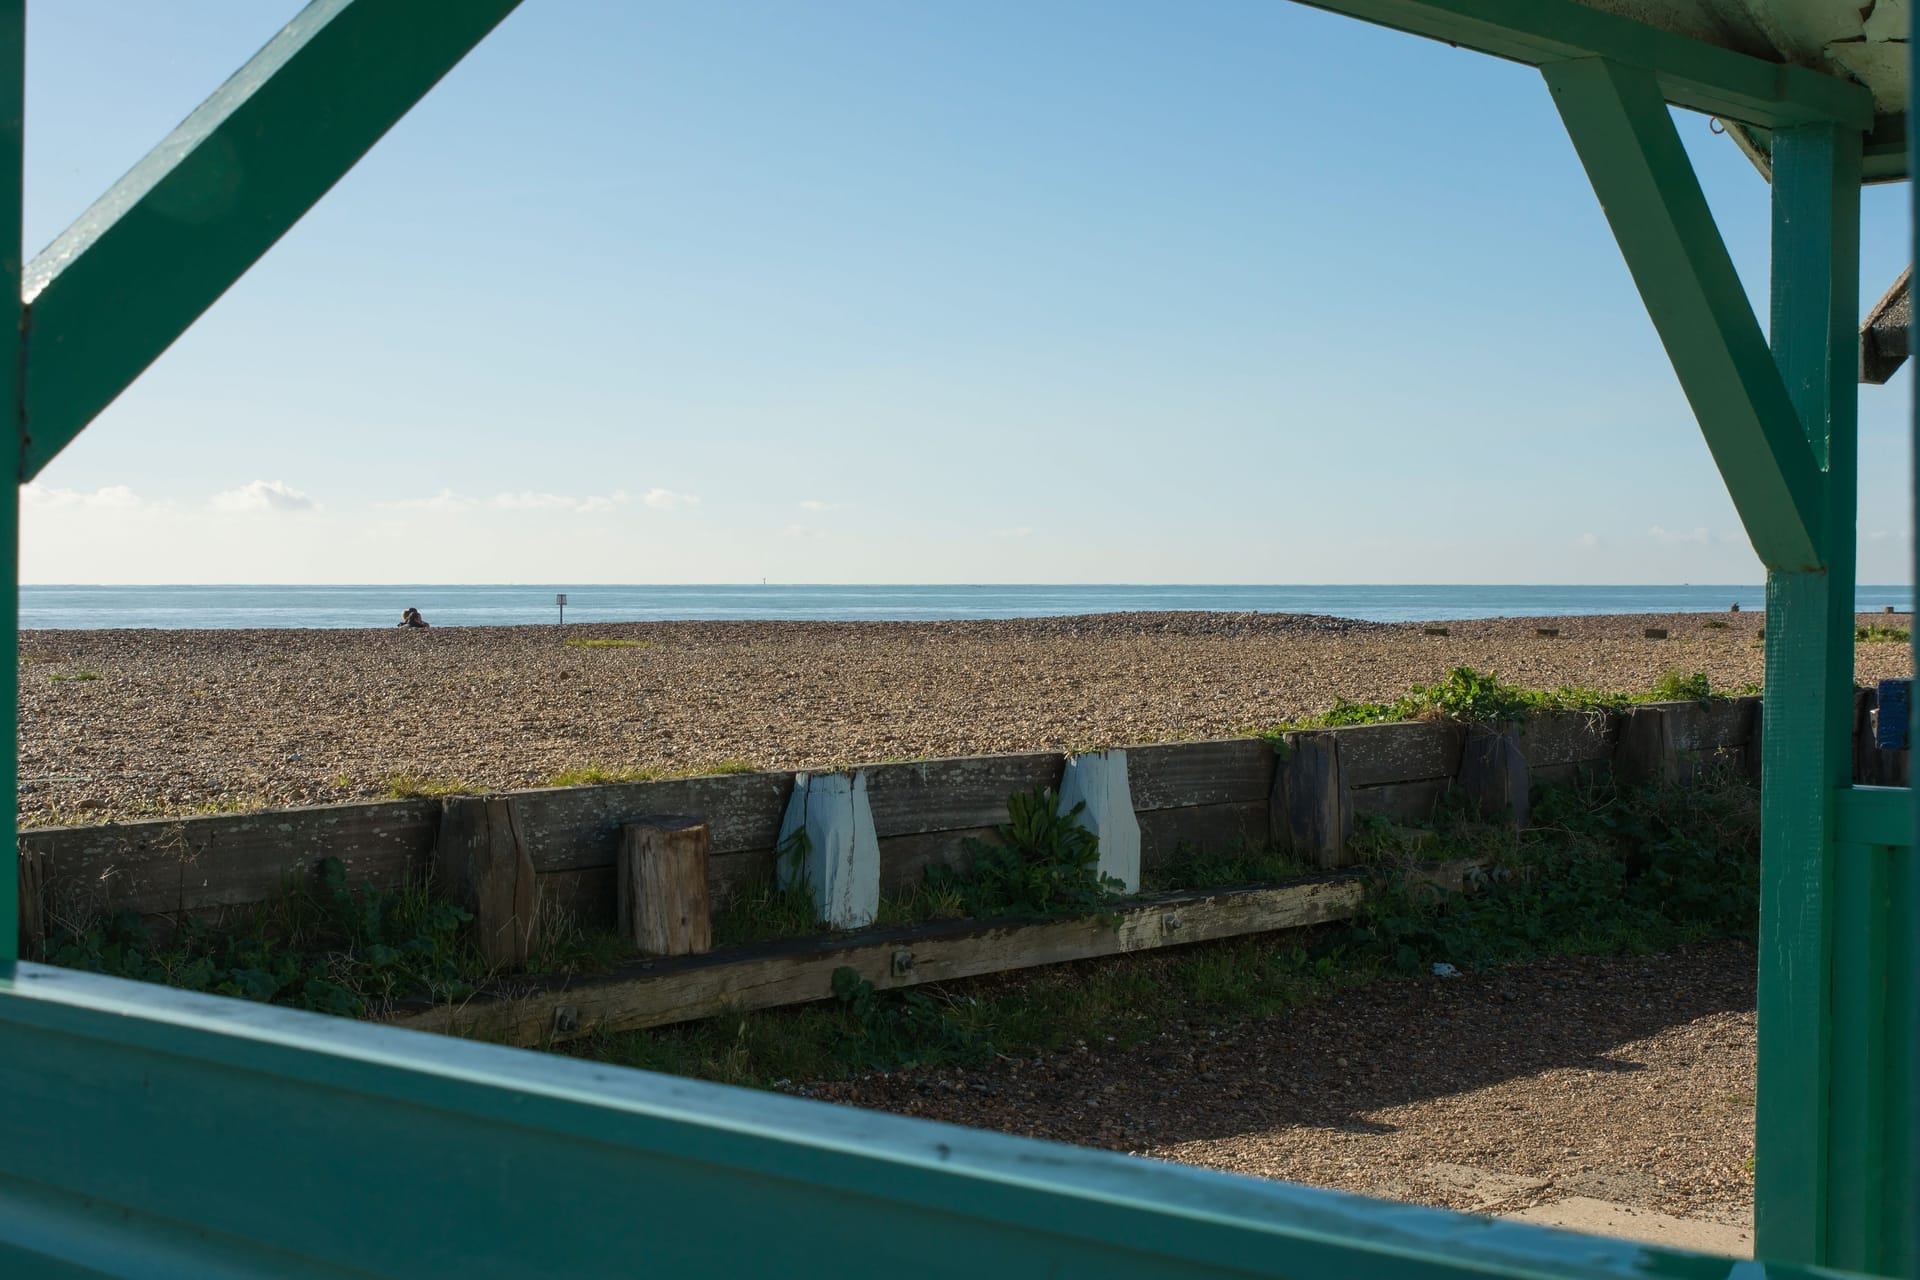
(586,895)
(1373,754)
(1572,773)
(1701,726)
(1401,801)
(1570,737)
(1213,828)
(1647,750)
(195,864)
(32,902)
(1177,775)
(480,862)
(904,860)
(1310,811)
(948,795)
(573,827)
(1494,774)
(687,988)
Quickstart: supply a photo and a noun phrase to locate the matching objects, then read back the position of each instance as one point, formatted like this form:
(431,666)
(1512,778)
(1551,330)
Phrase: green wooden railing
(149,1132)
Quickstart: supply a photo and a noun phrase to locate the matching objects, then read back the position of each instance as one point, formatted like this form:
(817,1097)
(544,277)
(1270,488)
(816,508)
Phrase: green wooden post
(13,20)
(1806,753)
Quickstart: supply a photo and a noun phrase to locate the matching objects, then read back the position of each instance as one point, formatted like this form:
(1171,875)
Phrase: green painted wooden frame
(152,1132)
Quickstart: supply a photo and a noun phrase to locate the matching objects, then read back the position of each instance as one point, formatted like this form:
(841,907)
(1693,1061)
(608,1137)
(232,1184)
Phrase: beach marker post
(561,601)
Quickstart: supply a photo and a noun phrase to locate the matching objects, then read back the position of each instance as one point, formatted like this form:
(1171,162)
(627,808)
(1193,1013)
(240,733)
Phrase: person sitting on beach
(412,618)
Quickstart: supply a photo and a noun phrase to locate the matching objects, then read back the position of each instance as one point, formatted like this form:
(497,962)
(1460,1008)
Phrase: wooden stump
(33,903)
(1311,811)
(663,886)
(481,862)
(1494,774)
(1645,752)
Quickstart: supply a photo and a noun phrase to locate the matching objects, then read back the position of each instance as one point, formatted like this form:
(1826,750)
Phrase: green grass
(1716,624)
(609,644)
(761,911)
(1193,867)
(593,775)
(414,786)
(1872,633)
(318,945)
(59,676)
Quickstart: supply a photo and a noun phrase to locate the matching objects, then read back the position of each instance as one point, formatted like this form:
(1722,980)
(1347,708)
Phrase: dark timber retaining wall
(1210,795)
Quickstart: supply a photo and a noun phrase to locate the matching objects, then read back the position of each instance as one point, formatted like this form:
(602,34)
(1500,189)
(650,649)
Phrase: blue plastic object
(1890,729)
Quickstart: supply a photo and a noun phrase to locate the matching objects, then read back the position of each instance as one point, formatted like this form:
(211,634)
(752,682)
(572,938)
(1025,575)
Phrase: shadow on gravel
(1332,1063)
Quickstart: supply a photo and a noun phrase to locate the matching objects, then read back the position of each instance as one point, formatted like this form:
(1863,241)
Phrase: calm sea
(80,607)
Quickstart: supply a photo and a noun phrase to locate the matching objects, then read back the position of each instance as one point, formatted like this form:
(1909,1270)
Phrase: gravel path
(124,724)
(1627,1080)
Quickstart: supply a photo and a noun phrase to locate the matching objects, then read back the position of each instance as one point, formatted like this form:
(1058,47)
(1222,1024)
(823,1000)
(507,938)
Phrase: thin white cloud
(529,501)
(263,495)
(668,500)
(814,504)
(1878,535)
(1587,540)
(802,531)
(1018,531)
(444,502)
(1659,534)
(114,495)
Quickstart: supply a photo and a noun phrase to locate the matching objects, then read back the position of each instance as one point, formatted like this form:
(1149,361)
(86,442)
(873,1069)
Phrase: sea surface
(195,607)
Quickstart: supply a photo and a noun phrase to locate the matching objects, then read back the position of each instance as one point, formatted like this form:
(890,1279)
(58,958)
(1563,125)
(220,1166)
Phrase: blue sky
(882,292)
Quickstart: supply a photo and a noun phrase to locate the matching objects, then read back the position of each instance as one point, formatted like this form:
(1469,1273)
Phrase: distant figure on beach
(412,618)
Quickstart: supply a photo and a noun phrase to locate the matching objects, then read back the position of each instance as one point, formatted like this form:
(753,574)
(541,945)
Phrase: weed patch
(595,775)
(59,676)
(1472,697)
(414,786)
(1873,633)
(1192,867)
(320,946)
(609,644)
(1041,862)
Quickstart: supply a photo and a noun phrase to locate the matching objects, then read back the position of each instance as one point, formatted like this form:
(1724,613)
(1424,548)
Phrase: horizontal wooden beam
(801,970)
(1875,815)
(142,1127)
(1653,201)
(116,288)
(1690,73)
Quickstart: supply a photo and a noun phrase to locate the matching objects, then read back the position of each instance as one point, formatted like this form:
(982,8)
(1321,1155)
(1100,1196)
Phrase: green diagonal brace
(1621,127)
(1690,73)
(119,285)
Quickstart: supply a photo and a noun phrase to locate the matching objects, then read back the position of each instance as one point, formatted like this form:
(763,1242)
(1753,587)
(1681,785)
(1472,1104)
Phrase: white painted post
(841,858)
(1100,779)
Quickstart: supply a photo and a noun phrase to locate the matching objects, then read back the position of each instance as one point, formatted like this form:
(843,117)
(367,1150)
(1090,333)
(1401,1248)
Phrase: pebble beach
(128,724)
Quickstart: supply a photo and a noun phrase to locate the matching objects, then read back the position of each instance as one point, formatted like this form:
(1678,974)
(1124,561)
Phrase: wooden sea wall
(1203,795)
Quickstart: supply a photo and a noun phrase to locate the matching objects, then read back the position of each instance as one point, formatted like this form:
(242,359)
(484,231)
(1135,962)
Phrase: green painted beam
(13,21)
(1875,815)
(153,1132)
(118,286)
(1633,155)
(1689,73)
(1806,1124)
